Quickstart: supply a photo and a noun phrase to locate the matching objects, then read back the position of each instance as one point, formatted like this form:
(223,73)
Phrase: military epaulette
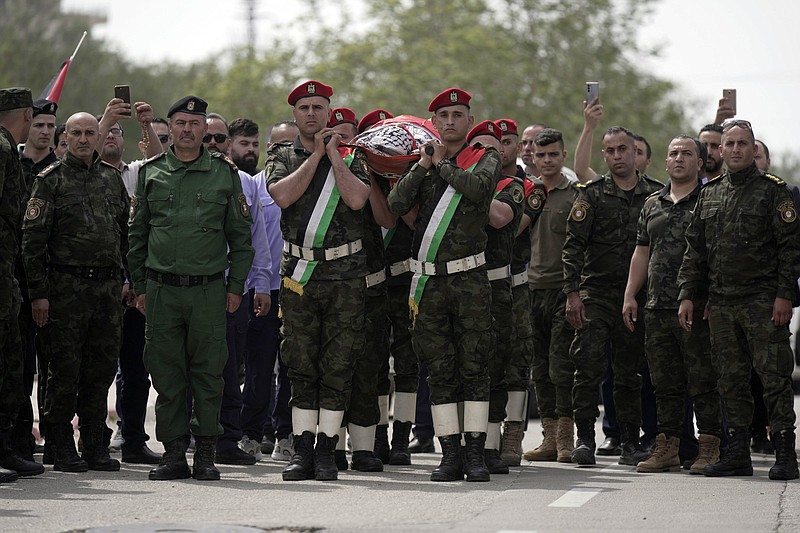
(774,178)
(584,184)
(227,159)
(47,170)
(715,179)
(155,157)
(274,147)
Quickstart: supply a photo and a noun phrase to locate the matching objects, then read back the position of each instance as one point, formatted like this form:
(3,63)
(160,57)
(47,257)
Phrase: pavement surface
(535,497)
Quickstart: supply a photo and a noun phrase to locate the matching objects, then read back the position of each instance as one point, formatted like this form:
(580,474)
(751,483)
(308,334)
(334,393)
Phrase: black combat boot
(301,465)
(494,462)
(474,459)
(382,443)
(632,452)
(736,461)
(583,454)
(340,459)
(65,456)
(95,451)
(785,456)
(451,468)
(173,463)
(365,461)
(400,454)
(10,460)
(203,467)
(324,465)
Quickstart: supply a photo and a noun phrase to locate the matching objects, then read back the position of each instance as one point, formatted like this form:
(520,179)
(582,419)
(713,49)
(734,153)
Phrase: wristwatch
(442,162)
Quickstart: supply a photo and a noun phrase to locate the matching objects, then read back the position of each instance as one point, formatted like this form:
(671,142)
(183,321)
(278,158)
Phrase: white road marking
(575,497)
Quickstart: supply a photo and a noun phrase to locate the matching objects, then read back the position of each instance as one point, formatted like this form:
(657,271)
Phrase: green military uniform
(323,296)
(452,329)
(74,243)
(189,222)
(743,241)
(601,236)
(499,247)
(553,371)
(679,361)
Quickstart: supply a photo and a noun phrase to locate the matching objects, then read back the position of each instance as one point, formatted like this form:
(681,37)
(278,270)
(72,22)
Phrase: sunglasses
(732,123)
(219,138)
(115,132)
(163,138)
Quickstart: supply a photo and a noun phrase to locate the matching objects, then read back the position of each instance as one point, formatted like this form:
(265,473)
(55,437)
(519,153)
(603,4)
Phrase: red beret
(310,88)
(508,126)
(342,115)
(451,96)
(372,118)
(487,127)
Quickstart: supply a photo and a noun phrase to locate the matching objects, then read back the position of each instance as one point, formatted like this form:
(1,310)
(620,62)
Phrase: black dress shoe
(140,455)
(610,446)
(235,456)
(421,445)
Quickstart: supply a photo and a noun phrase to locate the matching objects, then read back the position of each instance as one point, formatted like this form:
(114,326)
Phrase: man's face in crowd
(82,133)
(187,131)
(453,122)
(713,142)
(61,145)
(283,133)
(641,159)
(738,148)
(549,159)
(113,144)
(162,131)
(527,146)
(244,152)
(762,161)
(683,164)
(41,133)
(619,153)
(509,145)
(346,130)
(218,140)
(311,114)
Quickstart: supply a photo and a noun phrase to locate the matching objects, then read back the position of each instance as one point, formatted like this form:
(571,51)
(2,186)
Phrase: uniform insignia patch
(364,168)
(787,211)
(517,194)
(536,199)
(244,209)
(34,209)
(134,205)
(579,210)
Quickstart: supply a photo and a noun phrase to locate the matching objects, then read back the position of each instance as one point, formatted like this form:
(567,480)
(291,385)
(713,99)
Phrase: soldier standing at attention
(321,191)
(75,237)
(16,114)
(189,221)
(601,236)
(450,294)
(743,241)
(679,361)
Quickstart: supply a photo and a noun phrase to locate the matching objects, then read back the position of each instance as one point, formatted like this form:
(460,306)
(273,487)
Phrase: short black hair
(614,130)
(716,128)
(549,136)
(648,151)
(218,117)
(766,148)
(701,150)
(243,127)
(61,128)
(159,120)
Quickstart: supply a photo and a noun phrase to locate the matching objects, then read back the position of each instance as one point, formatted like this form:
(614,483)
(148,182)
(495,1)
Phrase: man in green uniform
(679,361)
(189,222)
(16,114)
(321,189)
(450,294)
(601,236)
(743,241)
(73,246)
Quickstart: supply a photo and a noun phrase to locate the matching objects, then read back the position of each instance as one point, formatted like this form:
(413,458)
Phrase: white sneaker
(116,442)
(284,449)
(251,447)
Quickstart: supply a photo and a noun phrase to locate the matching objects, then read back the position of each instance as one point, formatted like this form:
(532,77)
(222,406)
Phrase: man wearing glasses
(743,239)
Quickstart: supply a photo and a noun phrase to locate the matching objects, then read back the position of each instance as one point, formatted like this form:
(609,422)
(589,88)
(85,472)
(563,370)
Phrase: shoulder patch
(154,158)
(134,205)
(227,159)
(49,168)
(34,208)
(774,178)
(787,211)
(517,194)
(244,209)
(579,210)
(536,199)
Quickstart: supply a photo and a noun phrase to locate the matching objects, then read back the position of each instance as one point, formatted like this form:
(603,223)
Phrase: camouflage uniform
(552,369)
(189,222)
(74,243)
(601,236)
(743,239)
(678,360)
(11,359)
(452,330)
(323,322)
(499,246)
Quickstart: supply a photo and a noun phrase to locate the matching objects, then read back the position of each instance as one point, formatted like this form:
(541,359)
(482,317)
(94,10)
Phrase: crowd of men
(266,305)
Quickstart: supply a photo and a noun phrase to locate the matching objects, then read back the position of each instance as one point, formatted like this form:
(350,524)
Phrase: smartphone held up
(592,92)
(123,92)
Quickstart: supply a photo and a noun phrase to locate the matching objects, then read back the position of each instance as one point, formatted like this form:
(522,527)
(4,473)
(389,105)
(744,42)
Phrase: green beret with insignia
(15,98)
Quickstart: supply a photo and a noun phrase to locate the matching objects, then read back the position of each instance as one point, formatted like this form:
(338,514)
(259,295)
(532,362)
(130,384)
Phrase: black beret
(189,104)
(44,107)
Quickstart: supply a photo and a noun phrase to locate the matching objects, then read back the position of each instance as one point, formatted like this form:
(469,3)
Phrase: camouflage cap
(15,98)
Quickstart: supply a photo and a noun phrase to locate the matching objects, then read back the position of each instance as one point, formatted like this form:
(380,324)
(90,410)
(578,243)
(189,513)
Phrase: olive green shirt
(190,219)
(546,270)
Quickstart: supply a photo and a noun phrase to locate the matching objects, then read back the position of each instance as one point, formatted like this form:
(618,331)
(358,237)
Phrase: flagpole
(78,47)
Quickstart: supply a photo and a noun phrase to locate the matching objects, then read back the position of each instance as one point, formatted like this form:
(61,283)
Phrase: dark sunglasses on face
(219,138)
(163,138)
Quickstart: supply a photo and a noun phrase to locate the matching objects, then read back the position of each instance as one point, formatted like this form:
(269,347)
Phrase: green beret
(15,98)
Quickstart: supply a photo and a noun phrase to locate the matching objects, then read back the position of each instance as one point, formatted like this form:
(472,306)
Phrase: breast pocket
(558,219)
(751,224)
(71,216)
(607,226)
(209,210)
(161,206)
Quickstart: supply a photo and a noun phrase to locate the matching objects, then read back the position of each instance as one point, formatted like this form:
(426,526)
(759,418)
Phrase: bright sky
(708,45)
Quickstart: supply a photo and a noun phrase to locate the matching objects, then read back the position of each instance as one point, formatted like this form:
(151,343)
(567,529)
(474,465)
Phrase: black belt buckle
(185,281)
